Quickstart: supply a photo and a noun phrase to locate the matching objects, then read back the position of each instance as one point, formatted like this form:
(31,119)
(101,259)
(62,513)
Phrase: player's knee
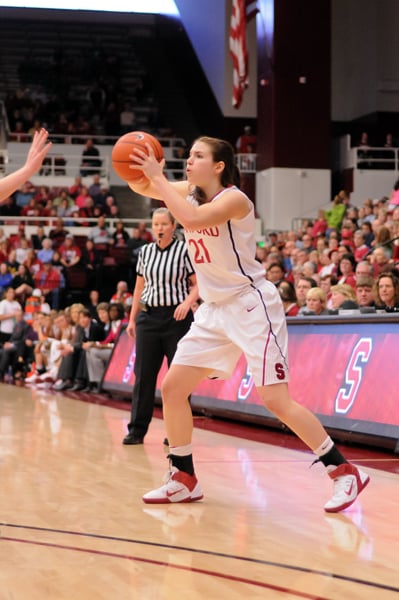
(275,398)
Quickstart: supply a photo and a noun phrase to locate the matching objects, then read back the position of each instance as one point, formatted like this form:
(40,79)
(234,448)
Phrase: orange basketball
(125,146)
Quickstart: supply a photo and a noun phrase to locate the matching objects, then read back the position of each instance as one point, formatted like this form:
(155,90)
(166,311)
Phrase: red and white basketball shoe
(179,487)
(348,483)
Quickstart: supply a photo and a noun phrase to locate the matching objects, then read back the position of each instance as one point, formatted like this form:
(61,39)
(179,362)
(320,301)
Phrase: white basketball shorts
(252,323)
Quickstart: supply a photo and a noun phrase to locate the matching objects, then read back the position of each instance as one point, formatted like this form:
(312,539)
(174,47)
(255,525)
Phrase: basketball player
(242,312)
(38,150)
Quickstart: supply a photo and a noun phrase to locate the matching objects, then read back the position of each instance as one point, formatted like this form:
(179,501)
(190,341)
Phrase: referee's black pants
(157,335)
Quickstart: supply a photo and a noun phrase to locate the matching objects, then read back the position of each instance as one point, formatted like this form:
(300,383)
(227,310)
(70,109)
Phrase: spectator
(316,302)
(91,162)
(95,187)
(24,195)
(8,207)
(98,353)
(101,235)
(73,365)
(33,263)
(394,197)
(22,283)
(307,243)
(63,197)
(9,308)
(4,247)
(302,287)
(365,291)
(38,237)
(46,351)
(12,263)
(327,265)
(364,269)
(93,303)
(275,273)
(102,316)
(70,253)
(46,252)
(6,277)
(48,280)
(363,152)
(21,253)
(76,187)
(288,297)
(341,293)
(33,305)
(92,260)
(246,142)
(17,352)
(346,271)
(87,211)
(320,226)
(380,261)
(122,296)
(120,235)
(58,234)
(335,215)
(144,233)
(326,283)
(361,249)
(80,200)
(387,292)
(309,270)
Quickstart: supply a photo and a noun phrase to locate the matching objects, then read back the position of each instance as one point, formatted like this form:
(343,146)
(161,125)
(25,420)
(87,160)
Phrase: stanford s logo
(246,385)
(353,375)
(280,371)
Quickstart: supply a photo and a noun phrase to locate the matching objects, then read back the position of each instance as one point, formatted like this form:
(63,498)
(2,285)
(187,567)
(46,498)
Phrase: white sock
(181,450)
(324,447)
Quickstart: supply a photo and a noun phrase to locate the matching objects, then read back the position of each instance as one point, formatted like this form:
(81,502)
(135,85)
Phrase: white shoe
(179,487)
(31,378)
(348,483)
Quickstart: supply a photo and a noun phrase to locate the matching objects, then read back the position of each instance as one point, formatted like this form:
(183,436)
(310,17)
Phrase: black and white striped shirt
(166,273)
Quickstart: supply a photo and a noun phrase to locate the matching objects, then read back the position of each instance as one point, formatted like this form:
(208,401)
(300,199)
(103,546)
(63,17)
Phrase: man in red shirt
(48,280)
(70,252)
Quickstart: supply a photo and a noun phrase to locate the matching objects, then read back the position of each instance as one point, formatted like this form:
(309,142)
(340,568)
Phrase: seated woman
(387,292)
(316,302)
(343,296)
(22,283)
(98,353)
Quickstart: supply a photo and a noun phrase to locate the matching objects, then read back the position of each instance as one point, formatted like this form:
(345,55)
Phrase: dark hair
(222,151)
(395,282)
(349,256)
(287,291)
(120,309)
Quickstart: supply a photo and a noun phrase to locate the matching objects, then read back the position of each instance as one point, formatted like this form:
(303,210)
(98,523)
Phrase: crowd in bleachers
(46,275)
(346,259)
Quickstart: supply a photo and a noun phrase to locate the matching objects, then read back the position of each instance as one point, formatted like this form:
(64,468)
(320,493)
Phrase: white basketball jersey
(224,256)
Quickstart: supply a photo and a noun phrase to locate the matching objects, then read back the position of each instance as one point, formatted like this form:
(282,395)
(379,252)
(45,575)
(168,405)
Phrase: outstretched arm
(38,150)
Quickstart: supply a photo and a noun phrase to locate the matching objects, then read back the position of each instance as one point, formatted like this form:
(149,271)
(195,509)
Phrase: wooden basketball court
(73,525)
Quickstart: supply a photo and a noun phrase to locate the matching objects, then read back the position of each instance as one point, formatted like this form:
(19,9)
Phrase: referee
(165,290)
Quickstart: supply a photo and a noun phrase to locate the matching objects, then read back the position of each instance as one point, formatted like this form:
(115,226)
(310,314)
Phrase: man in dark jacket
(72,373)
(18,350)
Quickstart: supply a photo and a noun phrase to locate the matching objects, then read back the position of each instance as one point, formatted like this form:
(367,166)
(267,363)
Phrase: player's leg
(181,484)
(348,480)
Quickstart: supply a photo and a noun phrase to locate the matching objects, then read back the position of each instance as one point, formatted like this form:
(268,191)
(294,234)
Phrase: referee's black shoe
(133,439)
